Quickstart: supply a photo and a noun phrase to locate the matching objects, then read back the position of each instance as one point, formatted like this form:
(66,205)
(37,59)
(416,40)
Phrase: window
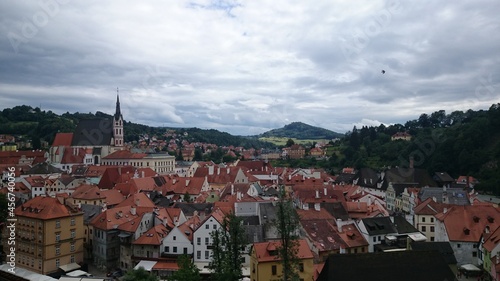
(58,263)
(73,234)
(458,245)
(198,255)
(72,221)
(423,219)
(432,228)
(432,219)
(273,269)
(58,224)
(174,238)
(175,249)
(58,250)
(207,255)
(301,267)
(185,252)
(474,254)
(424,229)
(198,241)
(167,249)
(206,240)
(72,247)
(58,236)
(432,238)
(379,238)
(374,239)
(72,259)
(207,226)
(215,226)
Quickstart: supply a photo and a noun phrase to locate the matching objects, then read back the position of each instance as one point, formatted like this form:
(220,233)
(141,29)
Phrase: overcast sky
(245,67)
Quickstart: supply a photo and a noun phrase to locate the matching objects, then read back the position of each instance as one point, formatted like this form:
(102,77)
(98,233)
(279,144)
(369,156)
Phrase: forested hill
(37,125)
(301,130)
(460,143)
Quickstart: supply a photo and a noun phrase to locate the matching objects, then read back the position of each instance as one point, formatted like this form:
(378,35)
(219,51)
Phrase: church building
(92,140)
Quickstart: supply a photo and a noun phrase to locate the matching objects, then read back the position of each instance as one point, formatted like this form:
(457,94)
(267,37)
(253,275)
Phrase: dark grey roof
(42,169)
(90,212)
(189,208)
(379,225)
(267,212)
(93,132)
(403,226)
(367,177)
(415,177)
(159,200)
(66,180)
(389,266)
(79,170)
(253,229)
(270,192)
(400,187)
(336,209)
(345,178)
(444,248)
(442,177)
(454,196)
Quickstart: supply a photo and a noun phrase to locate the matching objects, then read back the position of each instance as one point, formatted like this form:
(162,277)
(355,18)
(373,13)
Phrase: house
(387,266)
(266,265)
(202,239)
(161,163)
(463,226)
(49,235)
(296,151)
(401,136)
(489,248)
(375,229)
(424,217)
(179,240)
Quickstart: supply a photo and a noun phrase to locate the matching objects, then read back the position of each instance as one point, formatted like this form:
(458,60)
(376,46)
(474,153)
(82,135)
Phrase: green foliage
(187,270)
(289,142)
(287,223)
(300,130)
(228,243)
(139,275)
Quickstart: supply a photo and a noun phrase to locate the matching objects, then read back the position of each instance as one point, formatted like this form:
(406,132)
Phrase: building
(401,136)
(424,217)
(49,234)
(161,163)
(92,140)
(266,265)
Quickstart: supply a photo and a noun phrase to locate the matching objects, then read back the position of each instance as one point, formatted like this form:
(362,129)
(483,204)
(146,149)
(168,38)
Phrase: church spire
(118,113)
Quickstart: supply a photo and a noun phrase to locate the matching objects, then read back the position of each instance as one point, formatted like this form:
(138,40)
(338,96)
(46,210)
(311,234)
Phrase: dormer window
(475,218)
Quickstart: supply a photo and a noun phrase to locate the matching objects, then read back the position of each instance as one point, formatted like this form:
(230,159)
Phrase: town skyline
(248,68)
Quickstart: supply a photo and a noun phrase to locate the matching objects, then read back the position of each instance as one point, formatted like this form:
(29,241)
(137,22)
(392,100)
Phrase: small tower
(118,123)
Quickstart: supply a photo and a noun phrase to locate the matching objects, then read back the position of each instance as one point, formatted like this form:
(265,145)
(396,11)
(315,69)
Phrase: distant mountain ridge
(301,130)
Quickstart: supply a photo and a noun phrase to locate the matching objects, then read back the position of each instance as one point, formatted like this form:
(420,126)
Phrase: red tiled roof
(263,254)
(113,197)
(164,265)
(467,223)
(113,218)
(491,239)
(63,139)
(139,200)
(87,192)
(43,208)
(154,236)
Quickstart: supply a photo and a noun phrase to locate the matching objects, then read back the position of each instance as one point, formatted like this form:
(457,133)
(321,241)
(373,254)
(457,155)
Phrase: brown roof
(352,237)
(138,199)
(154,236)
(87,192)
(491,239)
(112,218)
(430,207)
(113,197)
(43,208)
(263,250)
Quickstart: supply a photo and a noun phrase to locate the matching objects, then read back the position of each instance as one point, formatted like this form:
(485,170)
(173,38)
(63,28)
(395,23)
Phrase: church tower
(118,123)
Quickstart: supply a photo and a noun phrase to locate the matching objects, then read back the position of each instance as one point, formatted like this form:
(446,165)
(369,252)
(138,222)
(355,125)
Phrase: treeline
(37,125)
(460,143)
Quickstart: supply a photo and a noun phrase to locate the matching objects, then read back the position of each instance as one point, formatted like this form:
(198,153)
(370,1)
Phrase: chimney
(211,170)
(137,202)
(218,170)
(339,224)
(317,193)
(445,210)
(133,211)
(232,189)
(324,190)
(143,174)
(369,200)
(187,182)
(289,177)
(228,170)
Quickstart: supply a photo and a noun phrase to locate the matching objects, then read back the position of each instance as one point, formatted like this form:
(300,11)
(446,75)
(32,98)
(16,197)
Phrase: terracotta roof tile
(43,208)
(264,255)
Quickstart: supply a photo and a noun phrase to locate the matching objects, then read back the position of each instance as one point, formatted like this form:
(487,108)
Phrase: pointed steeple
(118,113)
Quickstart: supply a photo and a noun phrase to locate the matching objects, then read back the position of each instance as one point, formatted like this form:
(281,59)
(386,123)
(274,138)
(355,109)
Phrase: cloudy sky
(245,67)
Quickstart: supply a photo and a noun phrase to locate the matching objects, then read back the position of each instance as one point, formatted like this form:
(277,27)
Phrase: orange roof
(352,237)
(43,208)
(138,199)
(164,265)
(113,196)
(491,240)
(467,223)
(87,192)
(312,214)
(63,139)
(154,236)
(112,218)
(263,250)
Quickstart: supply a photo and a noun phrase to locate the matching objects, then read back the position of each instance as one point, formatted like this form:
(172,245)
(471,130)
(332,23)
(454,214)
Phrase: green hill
(299,130)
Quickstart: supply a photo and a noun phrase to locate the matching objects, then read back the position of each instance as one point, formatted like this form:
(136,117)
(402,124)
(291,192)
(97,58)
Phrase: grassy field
(281,141)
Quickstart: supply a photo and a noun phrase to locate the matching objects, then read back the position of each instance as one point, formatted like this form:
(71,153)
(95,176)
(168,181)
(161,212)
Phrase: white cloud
(255,65)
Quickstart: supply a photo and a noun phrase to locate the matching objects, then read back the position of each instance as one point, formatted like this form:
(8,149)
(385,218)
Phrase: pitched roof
(154,236)
(63,139)
(113,218)
(93,132)
(389,266)
(442,247)
(467,223)
(264,250)
(491,239)
(379,225)
(87,192)
(43,208)
(137,199)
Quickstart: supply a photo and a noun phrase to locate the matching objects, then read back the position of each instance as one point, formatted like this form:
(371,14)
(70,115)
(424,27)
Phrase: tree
(289,142)
(139,274)
(187,270)
(228,243)
(187,197)
(287,222)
